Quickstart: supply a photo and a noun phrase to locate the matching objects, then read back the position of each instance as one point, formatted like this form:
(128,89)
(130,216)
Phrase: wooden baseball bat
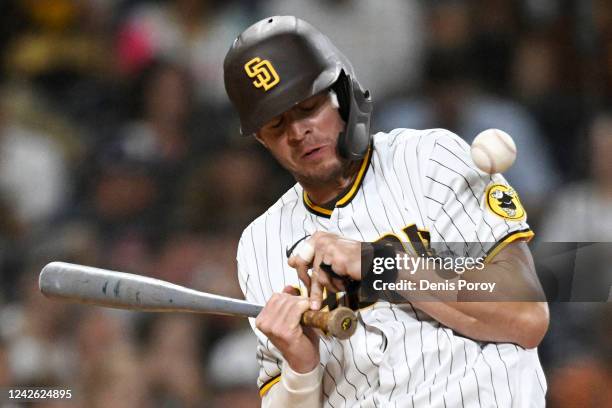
(102,287)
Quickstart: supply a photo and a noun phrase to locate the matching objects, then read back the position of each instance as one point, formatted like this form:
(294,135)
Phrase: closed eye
(308,106)
(275,123)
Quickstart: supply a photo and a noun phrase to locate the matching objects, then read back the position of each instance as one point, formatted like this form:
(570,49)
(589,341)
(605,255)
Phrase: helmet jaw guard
(280,61)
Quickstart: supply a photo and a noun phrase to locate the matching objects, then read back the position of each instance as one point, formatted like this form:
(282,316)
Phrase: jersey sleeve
(268,357)
(468,212)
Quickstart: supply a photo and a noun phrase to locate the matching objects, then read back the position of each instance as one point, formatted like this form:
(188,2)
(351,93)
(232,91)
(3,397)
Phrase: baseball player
(298,95)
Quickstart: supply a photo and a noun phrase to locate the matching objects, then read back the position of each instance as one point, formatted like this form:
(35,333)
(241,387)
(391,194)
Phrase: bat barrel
(102,287)
(85,284)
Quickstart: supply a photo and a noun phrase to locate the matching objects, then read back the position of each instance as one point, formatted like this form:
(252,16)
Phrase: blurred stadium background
(118,148)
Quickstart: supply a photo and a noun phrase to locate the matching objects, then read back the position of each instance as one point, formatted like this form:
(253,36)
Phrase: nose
(297,129)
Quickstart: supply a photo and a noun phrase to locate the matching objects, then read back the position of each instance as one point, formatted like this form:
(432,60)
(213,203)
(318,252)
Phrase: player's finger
(303,275)
(294,309)
(338,284)
(335,285)
(302,269)
(322,276)
(289,311)
(268,313)
(320,242)
(335,280)
(305,250)
(315,293)
(296,261)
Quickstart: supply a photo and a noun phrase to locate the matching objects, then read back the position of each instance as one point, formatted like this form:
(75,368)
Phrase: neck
(326,194)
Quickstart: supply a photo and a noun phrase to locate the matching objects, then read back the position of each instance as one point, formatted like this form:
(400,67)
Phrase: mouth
(311,152)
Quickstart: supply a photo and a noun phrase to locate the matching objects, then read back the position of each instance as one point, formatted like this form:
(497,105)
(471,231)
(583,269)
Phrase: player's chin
(322,172)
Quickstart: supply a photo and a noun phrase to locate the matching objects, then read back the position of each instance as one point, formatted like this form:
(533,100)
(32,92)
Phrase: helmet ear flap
(342,89)
(356,110)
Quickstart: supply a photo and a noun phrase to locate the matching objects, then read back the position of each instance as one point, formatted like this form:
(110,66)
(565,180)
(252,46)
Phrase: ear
(260,140)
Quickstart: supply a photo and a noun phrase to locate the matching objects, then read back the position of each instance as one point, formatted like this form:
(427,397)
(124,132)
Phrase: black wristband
(367,258)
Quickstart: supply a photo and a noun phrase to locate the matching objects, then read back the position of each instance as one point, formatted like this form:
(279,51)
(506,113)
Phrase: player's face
(304,139)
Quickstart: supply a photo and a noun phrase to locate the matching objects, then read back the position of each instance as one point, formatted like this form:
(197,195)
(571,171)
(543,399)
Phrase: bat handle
(340,322)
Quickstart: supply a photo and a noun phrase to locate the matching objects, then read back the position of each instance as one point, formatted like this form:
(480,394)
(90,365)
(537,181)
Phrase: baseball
(493,151)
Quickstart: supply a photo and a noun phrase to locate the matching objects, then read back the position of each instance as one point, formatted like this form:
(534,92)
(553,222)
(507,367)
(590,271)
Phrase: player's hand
(342,255)
(280,322)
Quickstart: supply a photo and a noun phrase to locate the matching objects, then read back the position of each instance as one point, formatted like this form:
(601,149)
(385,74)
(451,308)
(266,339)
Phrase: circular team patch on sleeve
(504,201)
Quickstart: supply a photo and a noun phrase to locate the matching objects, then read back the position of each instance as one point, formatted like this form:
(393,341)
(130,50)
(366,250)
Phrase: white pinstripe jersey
(399,356)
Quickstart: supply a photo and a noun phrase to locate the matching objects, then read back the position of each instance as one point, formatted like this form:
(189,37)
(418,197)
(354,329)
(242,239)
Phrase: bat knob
(340,322)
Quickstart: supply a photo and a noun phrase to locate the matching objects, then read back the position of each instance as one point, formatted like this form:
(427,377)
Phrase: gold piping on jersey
(525,234)
(503,201)
(346,198)
(264,73)
(317,210)
(266,387)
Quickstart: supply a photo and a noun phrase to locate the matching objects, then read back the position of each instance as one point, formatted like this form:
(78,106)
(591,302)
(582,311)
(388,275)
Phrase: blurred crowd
(119,149)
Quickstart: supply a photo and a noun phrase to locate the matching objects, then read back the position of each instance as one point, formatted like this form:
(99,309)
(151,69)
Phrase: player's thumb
(316,295)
